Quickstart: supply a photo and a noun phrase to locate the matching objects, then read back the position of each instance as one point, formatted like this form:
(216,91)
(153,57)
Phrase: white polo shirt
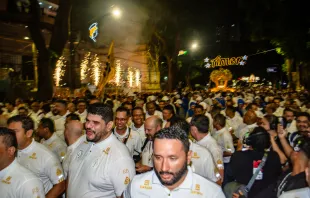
(202,162)
(43,163)
(148,185)
(140,131)
(147,154)
(60,125)
(17,181)
(100,170)
(133,143)
(56,145)
(225,141)
(82,115)
(234,122)
(210,143)
(70,150)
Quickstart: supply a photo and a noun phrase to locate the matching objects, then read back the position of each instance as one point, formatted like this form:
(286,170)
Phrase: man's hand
(282,133)
(143,168)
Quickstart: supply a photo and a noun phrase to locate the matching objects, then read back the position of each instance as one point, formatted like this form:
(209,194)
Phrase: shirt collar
(118,136)
(28,148)
(136,129)
(77,142)
(204,139)
(51,139)
(6,169)
(105,143)
(221,130)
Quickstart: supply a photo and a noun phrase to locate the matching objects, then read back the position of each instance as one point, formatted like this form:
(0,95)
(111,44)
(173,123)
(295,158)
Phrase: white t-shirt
(243,129)
(100,170)
(157,113)
(140,131)
(297,193)
(56,145)
(82,115)
(60,125)
(70,150)
(17,181)
(291,127)
(147,154)
(148,185)
(225,141)
(43,163)
(210,143)
(202,163)
(234,122)
(133,143)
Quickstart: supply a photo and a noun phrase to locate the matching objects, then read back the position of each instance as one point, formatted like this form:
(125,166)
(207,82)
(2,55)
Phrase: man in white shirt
(200,132)
(290,121)
(279,110)
(172,177)
(124,134)
(16,180)
(23,111)
(151,110)
(250,121)
(168,112)
(36,157)
(102,166)
(50,139)
(152,125)
(10,110)
(36,111)
(74,137)
(61,111)
(233,119)
(138,122)
(82,112)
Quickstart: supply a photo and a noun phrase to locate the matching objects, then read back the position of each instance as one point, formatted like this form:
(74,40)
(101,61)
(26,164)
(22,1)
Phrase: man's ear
(110,126)
(29,133)
(189,157)
(12,150)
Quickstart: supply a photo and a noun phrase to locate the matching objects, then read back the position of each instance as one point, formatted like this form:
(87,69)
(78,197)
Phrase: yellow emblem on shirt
(127,180)
(33,156)
(7,180)
(146,185)
(219,162)
(58,172)
(50,145)
(62,154)
(197,187)
(106,151)
(197,190)
(195,155)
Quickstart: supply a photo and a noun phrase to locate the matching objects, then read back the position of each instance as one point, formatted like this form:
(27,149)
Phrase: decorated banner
(220,62)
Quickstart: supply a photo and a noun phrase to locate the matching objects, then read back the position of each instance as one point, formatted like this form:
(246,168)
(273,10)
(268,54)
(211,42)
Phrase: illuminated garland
(118,71)
(130,77)
(84,66)
(218,61)
(59,71)
(137,79)
(95,70)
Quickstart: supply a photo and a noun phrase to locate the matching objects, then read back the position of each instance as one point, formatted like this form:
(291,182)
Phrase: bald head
(152,125)
(250,117)
(73,130)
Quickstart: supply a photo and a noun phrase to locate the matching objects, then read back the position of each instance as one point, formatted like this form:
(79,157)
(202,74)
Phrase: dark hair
(289,110)
(81,101)
(22,108)
(63,102)
(273,121)
(259,139)
(27,122)
(304,114)
(123,109)
(215,110)
(250,106)
(181,123)
(232,109)
(73,116)
(151,102)
(197,106)
(173,133)
(46,108)
(110,103)
(219,119)
(137,108)
(127,103)
(103,110)
(201,122)
(48,123)
(9,137)
(169,108)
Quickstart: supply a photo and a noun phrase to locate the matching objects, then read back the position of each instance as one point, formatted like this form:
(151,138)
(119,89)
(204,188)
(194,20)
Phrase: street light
(194,46)
(116,12)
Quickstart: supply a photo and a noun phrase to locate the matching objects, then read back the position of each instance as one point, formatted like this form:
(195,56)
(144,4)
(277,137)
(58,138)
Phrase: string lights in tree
(84,66)
(95,70)
(59,70)
(137,77)
(130,77)
(118,71)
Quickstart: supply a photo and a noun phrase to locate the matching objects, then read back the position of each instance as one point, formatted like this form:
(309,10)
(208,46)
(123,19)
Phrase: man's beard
(176,176)
(97,137)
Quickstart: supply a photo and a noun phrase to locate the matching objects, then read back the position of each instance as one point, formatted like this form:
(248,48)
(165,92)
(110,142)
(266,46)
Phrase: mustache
(88,129)
(165,172)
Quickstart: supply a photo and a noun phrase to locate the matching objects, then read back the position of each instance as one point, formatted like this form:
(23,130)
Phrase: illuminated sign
(272,70)
(93,31)
(219,61)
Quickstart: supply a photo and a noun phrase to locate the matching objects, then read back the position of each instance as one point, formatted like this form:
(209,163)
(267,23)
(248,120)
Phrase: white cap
(204,105)
(199,98)
(165,98)
(179,101)
(177,96)
(151,98)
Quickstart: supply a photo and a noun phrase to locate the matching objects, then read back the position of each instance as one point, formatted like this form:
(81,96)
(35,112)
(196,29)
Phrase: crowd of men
(249,143)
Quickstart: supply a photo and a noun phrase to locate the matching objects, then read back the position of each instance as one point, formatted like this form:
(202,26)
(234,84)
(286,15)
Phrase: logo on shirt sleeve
(33,156)
(195,156)
(7,180)
(127,180)
(197,190)
(106,151)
